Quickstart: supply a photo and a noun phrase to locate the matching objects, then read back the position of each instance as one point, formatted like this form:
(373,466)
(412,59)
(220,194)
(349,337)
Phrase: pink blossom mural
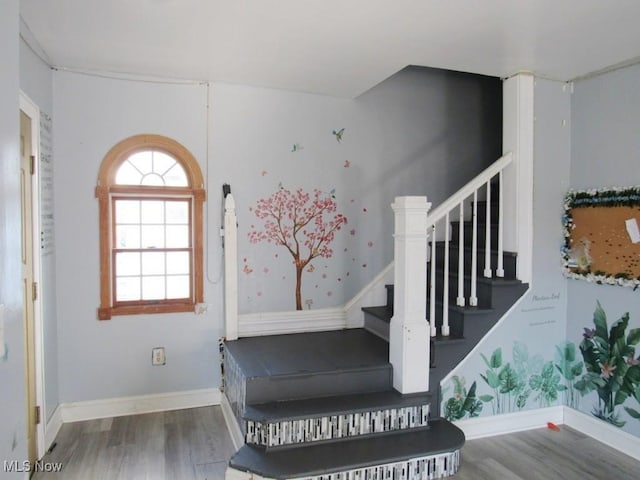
(304,224)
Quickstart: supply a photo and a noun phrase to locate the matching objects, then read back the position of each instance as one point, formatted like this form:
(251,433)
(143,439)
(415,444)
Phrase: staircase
(321,406)
(467,324)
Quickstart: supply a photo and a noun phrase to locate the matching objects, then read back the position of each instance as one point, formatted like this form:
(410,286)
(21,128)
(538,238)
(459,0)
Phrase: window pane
(152,236)
(162,162)
(127,264)
(178,262)
(127,174)
(152,180)
(153,288)
(142,161)
(178,286)
(153,263)
(127,236)
(127,211)
(178,212)
(177,236)
(176,177)
(152,211)
(127,288)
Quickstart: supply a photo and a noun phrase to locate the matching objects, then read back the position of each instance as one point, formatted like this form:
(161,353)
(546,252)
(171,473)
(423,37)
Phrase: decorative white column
(517,181)
(230,268)
(409,332)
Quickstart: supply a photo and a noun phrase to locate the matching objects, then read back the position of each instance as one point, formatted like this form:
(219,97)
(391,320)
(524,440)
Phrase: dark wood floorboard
(194,444)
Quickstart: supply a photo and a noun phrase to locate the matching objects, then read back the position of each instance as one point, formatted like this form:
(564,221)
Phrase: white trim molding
(518,138)
(294,321)
(589,425)
(322,319)
(117,407)
(52,428)
(490,426)
(232,425)
(611,436)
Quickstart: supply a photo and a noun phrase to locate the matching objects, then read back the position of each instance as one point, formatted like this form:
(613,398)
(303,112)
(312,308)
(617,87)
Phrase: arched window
(150,191)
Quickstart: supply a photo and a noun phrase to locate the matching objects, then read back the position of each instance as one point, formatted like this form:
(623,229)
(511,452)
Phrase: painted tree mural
(305,224)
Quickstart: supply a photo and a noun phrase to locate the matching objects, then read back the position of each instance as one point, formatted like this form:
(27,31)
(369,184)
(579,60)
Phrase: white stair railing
(439,221)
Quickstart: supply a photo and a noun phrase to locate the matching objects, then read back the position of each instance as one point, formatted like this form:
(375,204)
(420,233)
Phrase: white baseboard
(116,407)
(323,319)
(232,425)
(52,427)
(295,321)
(510,422)
(612,436)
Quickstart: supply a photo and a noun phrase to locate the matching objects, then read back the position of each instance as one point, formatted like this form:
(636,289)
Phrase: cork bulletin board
(602,236)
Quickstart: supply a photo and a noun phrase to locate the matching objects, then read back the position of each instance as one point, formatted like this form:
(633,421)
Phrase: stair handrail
(474,184)
(443,212)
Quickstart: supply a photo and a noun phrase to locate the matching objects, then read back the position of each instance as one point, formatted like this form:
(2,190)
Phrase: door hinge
(32,165)
(37,414)
(34,291)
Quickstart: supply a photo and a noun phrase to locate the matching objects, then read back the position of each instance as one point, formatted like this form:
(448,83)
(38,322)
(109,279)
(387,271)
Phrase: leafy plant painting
(571,370)
(513,383)
(546,385)
(304,224)
(612,369)
(463,403)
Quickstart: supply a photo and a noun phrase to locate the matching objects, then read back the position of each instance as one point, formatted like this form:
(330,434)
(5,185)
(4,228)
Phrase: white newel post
(409,332)
(230,268)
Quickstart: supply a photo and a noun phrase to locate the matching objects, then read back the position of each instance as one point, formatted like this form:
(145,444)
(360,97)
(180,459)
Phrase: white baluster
(460,299)
(432,287)
(487,244)
(473,299)
(445,292)
(500,266)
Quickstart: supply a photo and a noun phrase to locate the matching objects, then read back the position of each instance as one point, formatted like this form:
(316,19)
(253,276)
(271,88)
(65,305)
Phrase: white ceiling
(339,48)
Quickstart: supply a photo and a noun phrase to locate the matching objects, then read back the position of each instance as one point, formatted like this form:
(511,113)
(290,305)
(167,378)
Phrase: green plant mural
(546,384)
(571,370)
(611,367)
(463,403)
(512,385)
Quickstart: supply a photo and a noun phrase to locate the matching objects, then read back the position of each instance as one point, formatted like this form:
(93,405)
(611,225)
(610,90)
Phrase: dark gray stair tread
(335,405)
(385,313)
(441,437)
(308,353)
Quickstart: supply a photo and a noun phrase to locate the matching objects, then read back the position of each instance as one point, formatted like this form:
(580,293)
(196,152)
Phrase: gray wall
(107,359)
(12,392)
(605,153)
(36,81)
(420,132)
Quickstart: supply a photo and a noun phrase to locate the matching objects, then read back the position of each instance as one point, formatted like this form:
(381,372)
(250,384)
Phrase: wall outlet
(157,356)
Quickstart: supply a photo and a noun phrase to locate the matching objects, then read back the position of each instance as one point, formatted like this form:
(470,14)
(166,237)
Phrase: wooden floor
(195,444)
(177,445)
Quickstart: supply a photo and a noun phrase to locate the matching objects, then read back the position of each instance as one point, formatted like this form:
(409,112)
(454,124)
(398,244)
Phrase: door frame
(33,112)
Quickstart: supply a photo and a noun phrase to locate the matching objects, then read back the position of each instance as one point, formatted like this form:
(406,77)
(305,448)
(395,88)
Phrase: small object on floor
(553,426)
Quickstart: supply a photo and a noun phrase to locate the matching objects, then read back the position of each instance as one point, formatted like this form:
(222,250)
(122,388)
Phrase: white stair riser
(334,427)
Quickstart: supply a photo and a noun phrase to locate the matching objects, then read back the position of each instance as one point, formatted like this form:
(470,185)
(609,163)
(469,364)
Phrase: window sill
(105,313)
